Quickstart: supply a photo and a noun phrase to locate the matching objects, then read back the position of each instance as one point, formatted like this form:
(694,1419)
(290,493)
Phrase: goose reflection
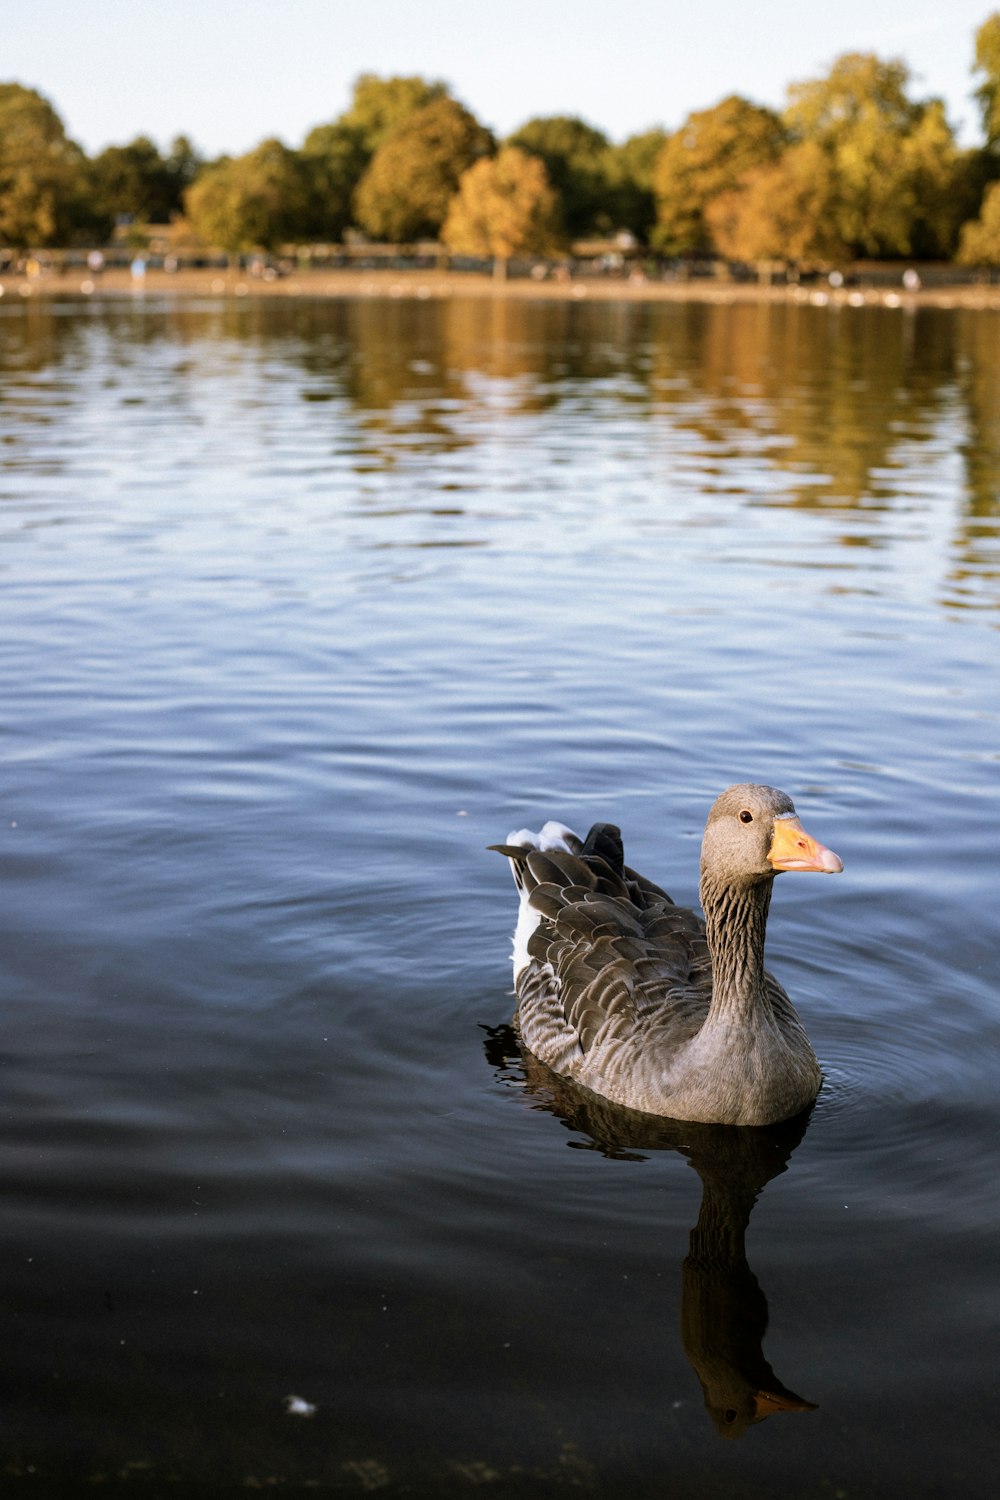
(723,1309)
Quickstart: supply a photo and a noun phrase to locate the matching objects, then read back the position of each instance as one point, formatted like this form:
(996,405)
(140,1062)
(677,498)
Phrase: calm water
(302,605)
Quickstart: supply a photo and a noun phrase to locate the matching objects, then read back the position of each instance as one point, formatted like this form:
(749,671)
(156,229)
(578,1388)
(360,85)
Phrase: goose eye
(746,817)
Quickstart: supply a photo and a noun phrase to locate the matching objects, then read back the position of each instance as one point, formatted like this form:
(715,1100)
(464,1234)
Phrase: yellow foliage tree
(898,174)
(782,211)
(708,156)
(414,174)
(505,206)
(988,62)
(979,244)
(577,158)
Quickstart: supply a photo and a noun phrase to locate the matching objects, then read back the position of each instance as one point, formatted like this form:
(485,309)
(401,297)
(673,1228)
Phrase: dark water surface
(302,605)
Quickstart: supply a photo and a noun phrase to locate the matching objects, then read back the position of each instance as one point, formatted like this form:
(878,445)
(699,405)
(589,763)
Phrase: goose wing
(612,963)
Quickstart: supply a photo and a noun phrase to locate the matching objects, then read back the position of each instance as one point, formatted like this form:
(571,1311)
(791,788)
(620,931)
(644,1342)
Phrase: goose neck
(735,922)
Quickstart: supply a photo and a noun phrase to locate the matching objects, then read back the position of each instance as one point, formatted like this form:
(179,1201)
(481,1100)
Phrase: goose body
(639,999)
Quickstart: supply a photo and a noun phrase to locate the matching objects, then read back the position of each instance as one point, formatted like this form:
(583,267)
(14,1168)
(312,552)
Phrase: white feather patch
(553,835)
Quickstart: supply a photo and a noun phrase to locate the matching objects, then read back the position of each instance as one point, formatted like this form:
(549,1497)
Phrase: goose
(639,1000)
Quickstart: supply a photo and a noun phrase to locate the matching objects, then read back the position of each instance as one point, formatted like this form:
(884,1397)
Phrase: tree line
(853,167)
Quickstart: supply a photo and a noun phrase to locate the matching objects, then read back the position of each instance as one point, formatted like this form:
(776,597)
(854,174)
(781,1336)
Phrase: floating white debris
(296,1406)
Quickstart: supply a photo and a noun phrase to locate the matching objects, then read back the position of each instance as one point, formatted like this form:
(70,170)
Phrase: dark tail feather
(605,840)
(512,851)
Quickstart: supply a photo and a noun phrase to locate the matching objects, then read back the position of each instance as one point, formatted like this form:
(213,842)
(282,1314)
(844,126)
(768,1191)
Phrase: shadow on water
(724,1311)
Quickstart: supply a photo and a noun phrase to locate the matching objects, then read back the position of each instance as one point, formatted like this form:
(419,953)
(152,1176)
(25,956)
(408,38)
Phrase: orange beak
(793,849)
(766,1403)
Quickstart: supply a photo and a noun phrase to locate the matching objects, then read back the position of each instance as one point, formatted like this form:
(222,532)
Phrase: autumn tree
(251,202)
(987,61)
(505,206)
(335,156)
(979,244)
(945,183)
(414,174)
(893,160)
(41,173)
(577,161)
(380,105)
(780,211)
(706,157)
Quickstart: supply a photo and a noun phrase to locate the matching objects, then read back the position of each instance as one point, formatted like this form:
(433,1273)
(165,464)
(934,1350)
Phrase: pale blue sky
(229,72)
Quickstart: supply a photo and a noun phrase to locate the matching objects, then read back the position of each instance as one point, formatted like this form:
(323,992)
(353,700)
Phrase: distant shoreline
(118,283)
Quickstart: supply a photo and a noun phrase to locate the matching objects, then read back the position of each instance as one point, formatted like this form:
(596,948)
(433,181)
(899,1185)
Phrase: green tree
(708,156)
(944,181)
(184,162)
(134,182)
(334,158)
(886,151)
(42,173)
(631,168)
(979,244)
(505,206)
(577,159)
(252,202)
(987,61)
(380,105)
(414,174)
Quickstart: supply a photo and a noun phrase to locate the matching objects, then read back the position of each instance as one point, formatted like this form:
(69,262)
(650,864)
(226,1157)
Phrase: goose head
(752,834)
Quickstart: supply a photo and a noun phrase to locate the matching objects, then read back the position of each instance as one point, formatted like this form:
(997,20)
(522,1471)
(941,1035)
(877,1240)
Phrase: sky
(227,73)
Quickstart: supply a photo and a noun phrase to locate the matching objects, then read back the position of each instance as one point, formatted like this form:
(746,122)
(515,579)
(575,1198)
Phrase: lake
(302,605)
